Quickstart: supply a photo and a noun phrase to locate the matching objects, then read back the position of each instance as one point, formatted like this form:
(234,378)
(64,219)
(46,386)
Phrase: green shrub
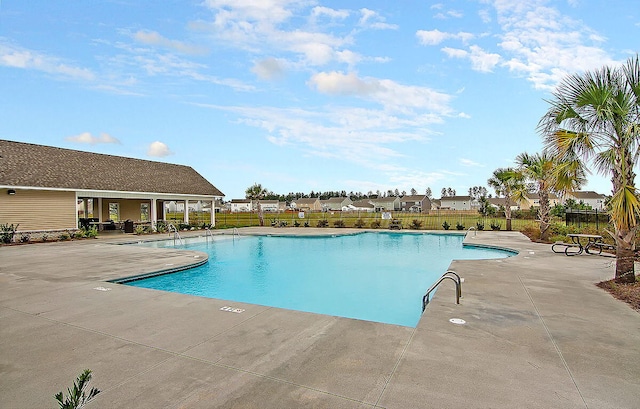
(7,232)
(480,225)
(459,226)
(376,224)
(161,227)
(446,225)
(415,224)
(338,223)
(64,236)
(323,223)
(531,230)
(25,238)
(306,224)
(140,230)
(44,237)
(359,223)
(90,232)
(78,234)
(495,226)
(296,223)
(77,396)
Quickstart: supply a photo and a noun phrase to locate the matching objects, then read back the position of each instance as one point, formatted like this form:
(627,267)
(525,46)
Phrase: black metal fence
(585,218)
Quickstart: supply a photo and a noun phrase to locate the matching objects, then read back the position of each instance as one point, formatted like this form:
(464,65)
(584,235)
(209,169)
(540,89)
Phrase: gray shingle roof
(24,164)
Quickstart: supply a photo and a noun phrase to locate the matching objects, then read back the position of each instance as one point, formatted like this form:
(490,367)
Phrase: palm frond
(625,208)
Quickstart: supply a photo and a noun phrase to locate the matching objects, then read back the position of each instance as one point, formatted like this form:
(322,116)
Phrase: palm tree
(549,175)
(507,182)
(595,116)
(256,192)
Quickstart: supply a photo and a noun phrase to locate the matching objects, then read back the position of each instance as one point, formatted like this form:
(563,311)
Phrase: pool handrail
(475,231)
(447,275)
(175,233)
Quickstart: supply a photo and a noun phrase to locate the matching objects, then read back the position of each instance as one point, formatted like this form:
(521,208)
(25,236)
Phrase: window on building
(114,212)
(144,212)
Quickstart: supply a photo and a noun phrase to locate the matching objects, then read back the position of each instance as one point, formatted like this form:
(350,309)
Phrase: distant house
(593,199)
(458,203)
(240,205)
(307,204)
(335,203)
(533,200)
(362,206)
(417,204)
(499,202)
(436,204)
(43,188)
(386,204)
(272,206)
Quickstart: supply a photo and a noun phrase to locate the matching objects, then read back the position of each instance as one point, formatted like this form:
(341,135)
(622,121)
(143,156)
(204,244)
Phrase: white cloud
(152,63)
(269,69)
(435,37)
(362,136)
(17,57)
(265,27)
(87,138)
(545,45)
(388,93)
(373,20)
(319,11)
(432,37)
(469,163)
(455,52)
(483,61)
(480,60)
(155,39)
(158,149)
(448,14)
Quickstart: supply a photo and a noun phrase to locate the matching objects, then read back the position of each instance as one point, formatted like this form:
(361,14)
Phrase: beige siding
(129,209)
(38,209)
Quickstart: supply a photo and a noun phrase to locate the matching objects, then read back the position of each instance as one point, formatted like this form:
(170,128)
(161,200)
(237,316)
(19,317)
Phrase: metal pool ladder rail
(175,234)
(451,275)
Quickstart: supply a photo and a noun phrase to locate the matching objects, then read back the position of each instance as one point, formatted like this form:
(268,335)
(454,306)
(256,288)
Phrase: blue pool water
(370,276)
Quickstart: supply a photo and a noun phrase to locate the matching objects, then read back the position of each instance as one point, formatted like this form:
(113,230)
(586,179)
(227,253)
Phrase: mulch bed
(629,293)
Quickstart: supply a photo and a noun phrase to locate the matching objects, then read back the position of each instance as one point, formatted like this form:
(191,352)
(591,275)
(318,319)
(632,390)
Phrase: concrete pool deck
(538,334)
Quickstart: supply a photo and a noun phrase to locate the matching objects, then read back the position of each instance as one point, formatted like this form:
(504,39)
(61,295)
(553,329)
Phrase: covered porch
(120,210)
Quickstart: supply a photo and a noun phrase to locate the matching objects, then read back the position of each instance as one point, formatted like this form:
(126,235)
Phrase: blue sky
(302,95)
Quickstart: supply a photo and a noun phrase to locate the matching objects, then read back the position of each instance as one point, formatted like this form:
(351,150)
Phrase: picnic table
(395,224)
(589,243)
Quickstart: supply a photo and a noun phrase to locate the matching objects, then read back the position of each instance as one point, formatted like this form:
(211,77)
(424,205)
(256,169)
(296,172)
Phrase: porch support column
(100,210)
(213,213)
(154,213)
(186,211)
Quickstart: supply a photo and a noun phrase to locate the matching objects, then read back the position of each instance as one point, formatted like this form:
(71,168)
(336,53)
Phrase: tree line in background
(292,196)
(476,192)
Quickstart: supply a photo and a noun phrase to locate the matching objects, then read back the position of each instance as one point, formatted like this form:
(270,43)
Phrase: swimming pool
(369,276)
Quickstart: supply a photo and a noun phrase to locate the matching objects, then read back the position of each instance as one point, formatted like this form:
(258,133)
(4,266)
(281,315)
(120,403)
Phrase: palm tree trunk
(624,265)
(625,257)
(544,216)
(507,213)
(260,214)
